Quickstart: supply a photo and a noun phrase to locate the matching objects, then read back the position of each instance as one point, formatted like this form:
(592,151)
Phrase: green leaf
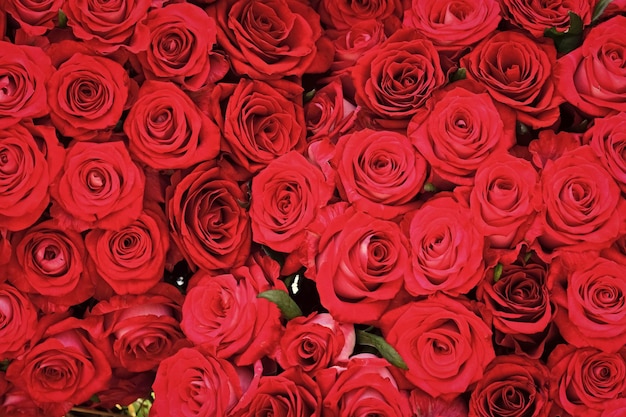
(4,365)
(308,96)
(287,306)
(459,74)
(385,349)
(600,8)
(527,256)
(430,187)
(497,272)
(94,399)
(62,23)
(570,39)
(140,408)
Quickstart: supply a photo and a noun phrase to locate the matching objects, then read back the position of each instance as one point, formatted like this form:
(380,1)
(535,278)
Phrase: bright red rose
(285,199)
(445,345)
(512,386)
(379,172)
(271,39)
(35,17)
(523,81)
(24,72)
(100,186)
(447,249)
(585,380)
(536,17)
(87,95)
(353,42)
(394,80)
(166,130)
(458,129)
(18,322)
(105,27)
(63,369)
(16,402)
(593,77)
(607,138)
(344,14)
(207,219)
(30,158)
(329,114)
(180,49)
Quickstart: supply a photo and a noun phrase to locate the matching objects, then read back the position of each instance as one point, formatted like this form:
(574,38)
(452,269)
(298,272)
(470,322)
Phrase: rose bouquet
(312,208)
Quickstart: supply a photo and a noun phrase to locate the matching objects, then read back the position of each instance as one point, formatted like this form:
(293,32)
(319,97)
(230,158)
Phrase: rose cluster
(313,208)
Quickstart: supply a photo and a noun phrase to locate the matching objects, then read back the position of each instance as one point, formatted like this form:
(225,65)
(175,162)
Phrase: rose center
(7,87)
(95,180)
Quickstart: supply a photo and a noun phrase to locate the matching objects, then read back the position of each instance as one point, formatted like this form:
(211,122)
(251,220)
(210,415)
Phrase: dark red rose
(180,49)
(30,158)
(536,17)
(24,72)
(585,380)
(512,386)
(394,80)
(593,77)
(16,402)
(458,129)
(18,322)
(87,95)
(523,81)
(445,345)
(207,219)
(166,130)
(63,369)
(35,17)
(607,138)
(100,186)
(329,114)
(105,27)
(285,199)
(271,39)
(365,386)
(344,14)
(139,332)
(316,342)
(447,249)
(423,405)
(380,172)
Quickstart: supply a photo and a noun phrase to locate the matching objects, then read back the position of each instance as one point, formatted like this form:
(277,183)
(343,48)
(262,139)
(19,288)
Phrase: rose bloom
(343,14)
(15,402)
(536,16)
(285,199)
(615,408)
(138,332)
(100,186)
(315,342)
(353,42)
(63,369)
(106,28)
(551,146)
(607,138)
(585,380)
(523,81)
(447,249)
(30,158)
(262,122)
(166,130)
(512,386)
(24,72)
(423,405)
(445,345)
(395,79)
(379,172)
(34,17)
(597,70)
(18,322)
(271,39)
(329,114)
(365,386)
(207,220)
(458,129)
(87,95)
(182,37)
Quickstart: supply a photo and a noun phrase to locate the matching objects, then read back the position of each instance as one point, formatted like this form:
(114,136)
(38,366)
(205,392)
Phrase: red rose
(447,249)
(512,386)
(585,380)
(353,42)
(379,172)
(132,259)
(423,405)
(207,220)
(105,28)
(597,71)
(361,266)
(271,39)
(30,158)
(35,17)
(99,187)
(24,72)
(329,114)
(315,342)
(394,80)
(138,332)
(551,146)
(536,18)
(458,129)
(445,345)
(18,322)
(166,130)
(180,49)
(523,81)
(262,122)
(615,408)
(285,199)
(63,369)
(344,14)
(607,139)
(87,95)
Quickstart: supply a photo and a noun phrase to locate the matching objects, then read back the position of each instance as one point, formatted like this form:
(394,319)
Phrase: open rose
(536,17)
(343,14)
(607,138)
(351,43)
(35,17)
(18,322)
(329,114)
